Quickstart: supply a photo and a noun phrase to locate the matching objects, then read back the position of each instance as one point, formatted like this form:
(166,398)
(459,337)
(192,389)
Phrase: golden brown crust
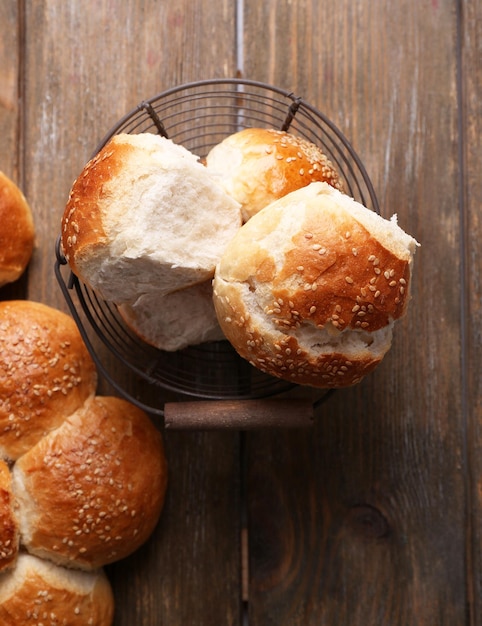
(46,373)
(307,292)
(91,492)
(281,354)
(9,534)
(259,165)
(81,228)
(17,231)
(36,592)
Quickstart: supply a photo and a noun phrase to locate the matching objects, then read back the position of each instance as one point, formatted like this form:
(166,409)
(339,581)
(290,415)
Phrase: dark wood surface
(374,514)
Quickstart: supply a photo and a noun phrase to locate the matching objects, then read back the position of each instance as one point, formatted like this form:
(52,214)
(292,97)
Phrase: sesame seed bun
(17,231)
(259,165)
(91,492)
(145,216)
(37,592)
(46,373)
(9,534)
(309,288)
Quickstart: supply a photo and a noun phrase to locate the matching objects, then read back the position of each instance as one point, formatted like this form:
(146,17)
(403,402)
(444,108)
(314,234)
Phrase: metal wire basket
(198,116)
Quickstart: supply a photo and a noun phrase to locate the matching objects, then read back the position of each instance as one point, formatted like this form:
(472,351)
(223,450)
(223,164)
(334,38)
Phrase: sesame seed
(349,280)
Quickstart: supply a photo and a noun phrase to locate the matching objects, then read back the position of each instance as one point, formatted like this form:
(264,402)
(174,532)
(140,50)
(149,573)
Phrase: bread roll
(258,165)
(309,288)
(46,373)
(9,535)
(17,232)
(91,492)
(144,216)
(37,592)
(175,321)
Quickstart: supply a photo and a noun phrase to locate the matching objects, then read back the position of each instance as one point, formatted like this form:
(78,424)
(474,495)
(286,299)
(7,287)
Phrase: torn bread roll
(144,216)
(17,232)
(38,592)
(309,289)
(9,531)
(174,321)
(46,373)
(259,165)
(91,492)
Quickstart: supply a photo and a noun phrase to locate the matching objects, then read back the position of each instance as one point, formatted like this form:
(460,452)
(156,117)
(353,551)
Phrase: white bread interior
(174,321)
(145,215)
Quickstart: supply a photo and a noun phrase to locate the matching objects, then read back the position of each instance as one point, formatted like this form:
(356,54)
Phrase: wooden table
(373,516)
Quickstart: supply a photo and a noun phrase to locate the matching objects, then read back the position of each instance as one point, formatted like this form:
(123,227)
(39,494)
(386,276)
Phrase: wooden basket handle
(238,414)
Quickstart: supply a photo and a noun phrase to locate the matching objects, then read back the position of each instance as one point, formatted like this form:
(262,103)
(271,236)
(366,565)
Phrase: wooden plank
(10,114)
(86,65)
(9,80)
(471,131)
(363,522)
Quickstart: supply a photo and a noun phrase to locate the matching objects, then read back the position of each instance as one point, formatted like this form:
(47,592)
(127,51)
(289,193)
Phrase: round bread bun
(309,288)
(9,533)
(143,216)
(38,592)
(91,492)
(46,373)
(17,232)
(175,321)
(259,165)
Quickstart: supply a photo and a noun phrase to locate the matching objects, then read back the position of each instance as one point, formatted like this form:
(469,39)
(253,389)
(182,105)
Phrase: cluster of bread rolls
(307,282)
(83,477)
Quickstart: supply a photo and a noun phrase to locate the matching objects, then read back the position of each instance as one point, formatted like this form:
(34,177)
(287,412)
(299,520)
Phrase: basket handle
(238,414)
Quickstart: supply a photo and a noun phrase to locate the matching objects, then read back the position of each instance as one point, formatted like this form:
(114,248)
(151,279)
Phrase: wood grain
(471,192)
(373,515)
(378,493)
(11,112)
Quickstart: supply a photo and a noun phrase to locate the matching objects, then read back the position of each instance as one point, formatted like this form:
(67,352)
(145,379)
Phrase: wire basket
(198,116)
